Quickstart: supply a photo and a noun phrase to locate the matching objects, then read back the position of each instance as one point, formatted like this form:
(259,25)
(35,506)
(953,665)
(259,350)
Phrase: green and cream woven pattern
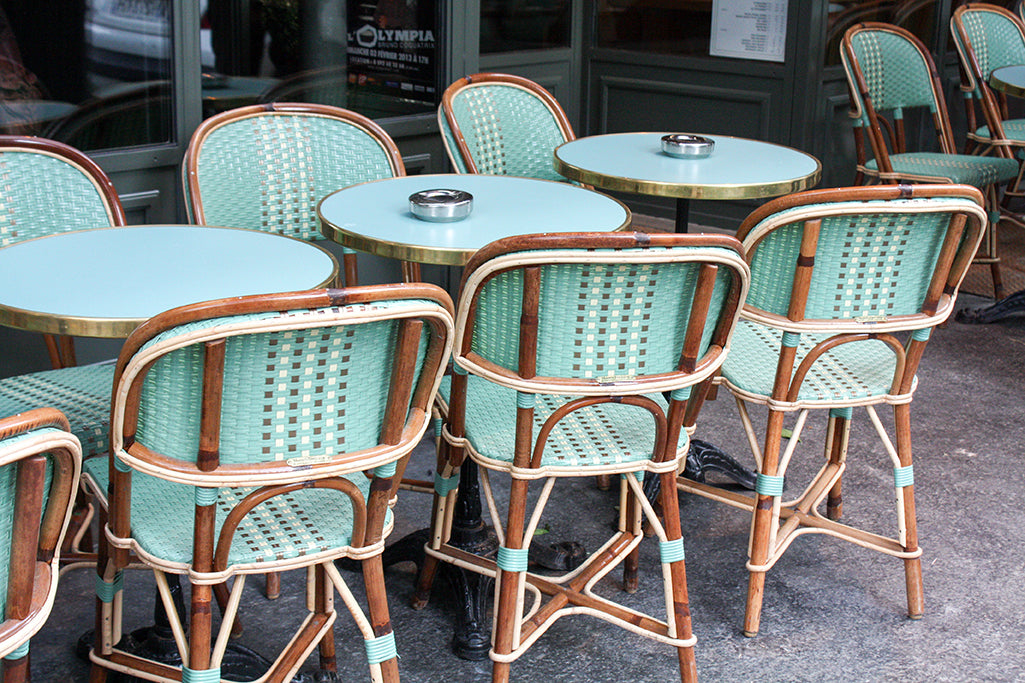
(287,394)
(508,130)
(595,320)
(43,195)
(996,42)
(81,393)
(957,168)
(268,172)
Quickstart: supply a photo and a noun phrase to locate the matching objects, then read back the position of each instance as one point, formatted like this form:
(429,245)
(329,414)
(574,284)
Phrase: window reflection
(917,16)
(510,25)
(681,27)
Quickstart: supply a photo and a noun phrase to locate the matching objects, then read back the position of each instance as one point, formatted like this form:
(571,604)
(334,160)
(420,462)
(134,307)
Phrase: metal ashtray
(687,146)
(441,206)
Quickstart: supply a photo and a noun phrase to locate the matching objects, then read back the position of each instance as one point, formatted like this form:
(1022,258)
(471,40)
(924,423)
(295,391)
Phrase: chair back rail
(502,124)
(267,166)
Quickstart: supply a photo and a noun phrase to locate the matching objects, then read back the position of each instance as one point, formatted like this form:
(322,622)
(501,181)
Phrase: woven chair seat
(81,393)
(1014,129)
(298,524)
(858,372)
(491,431)
(955,168)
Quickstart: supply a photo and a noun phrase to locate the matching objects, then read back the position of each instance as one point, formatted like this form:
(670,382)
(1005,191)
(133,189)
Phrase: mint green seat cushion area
(81,393)
(957,168)
(605,435)
(1014,129)
(849,372)
(304,522)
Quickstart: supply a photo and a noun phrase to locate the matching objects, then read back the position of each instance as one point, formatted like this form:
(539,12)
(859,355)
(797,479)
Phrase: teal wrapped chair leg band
(456,369)
(903,476)
(681,394)
(385,471)
(769,485)
(381,649)
(443,486)
(842,413)
(121,466)
(524,400)
(19,652)
(201,676)
(106,591)
(638,475)
(790,339)
(671,551)
(347,250)
(206,496)
(512,560)
(922,335)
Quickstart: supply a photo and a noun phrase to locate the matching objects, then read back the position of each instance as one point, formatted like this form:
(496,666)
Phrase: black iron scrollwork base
(1009,305)
(704,457)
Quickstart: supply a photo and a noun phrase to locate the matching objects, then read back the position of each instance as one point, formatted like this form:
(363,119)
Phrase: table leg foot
(1009,305)
(704,457)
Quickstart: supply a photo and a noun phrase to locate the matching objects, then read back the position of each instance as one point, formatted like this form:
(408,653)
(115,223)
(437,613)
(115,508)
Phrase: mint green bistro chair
(267,166)
(50,187)
(499,124)
(564,345)
(890,74)
(40,463)
(988,38)
(846,287)
(260,434)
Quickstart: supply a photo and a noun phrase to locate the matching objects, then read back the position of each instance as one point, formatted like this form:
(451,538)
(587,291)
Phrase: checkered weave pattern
(303,522)
(595,319)
(268,172)
(995,40)
(956,168)
(42,194)
(1014,129)
(286,394)
(597,436)
(866,264)
(896,74)
(508,130)
(81,393)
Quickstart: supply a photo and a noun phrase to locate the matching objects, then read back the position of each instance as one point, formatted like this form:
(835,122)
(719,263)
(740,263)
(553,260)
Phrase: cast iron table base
(1009,305)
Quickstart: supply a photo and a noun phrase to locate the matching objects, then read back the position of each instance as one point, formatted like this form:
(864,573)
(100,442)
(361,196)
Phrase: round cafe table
(105,282)
(737,168)
(374,217)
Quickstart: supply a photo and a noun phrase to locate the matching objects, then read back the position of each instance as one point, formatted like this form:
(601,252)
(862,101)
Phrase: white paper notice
(749,29)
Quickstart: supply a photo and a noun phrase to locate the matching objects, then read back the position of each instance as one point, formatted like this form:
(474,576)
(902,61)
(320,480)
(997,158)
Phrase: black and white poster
(393,47)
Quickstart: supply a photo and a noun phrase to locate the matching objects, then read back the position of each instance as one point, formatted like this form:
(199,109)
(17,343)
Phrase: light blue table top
(374,217)
(1009,79)
(738,168)
(104,282)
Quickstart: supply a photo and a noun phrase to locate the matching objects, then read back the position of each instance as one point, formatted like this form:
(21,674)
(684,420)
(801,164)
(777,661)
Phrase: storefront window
(108,84)
(917,16)
(510,25)
(680,27)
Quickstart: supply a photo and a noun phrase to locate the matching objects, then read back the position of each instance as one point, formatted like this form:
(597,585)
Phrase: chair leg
(377,607)
(913,566)
(838,436)
(272,590)
(323,603)
(507,593)
(761,527)
(16,670)
(678,577)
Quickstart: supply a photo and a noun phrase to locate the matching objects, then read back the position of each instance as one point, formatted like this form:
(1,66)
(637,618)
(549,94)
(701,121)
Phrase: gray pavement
(832,611)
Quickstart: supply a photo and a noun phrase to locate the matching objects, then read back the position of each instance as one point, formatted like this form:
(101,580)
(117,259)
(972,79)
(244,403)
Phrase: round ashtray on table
(441,206)
(686,146)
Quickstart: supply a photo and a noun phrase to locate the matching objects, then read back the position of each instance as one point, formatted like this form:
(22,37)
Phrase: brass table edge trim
(1005,87)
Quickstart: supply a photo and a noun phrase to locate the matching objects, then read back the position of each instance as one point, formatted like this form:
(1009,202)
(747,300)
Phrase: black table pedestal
(1009,305)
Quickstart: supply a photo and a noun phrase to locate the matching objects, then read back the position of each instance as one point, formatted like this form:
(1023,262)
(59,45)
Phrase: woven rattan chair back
(620,314)
(987,37)
(40,462)
(891,257)
(50,187)
(266,433)
(500,124)
(266,167)
(890,73)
